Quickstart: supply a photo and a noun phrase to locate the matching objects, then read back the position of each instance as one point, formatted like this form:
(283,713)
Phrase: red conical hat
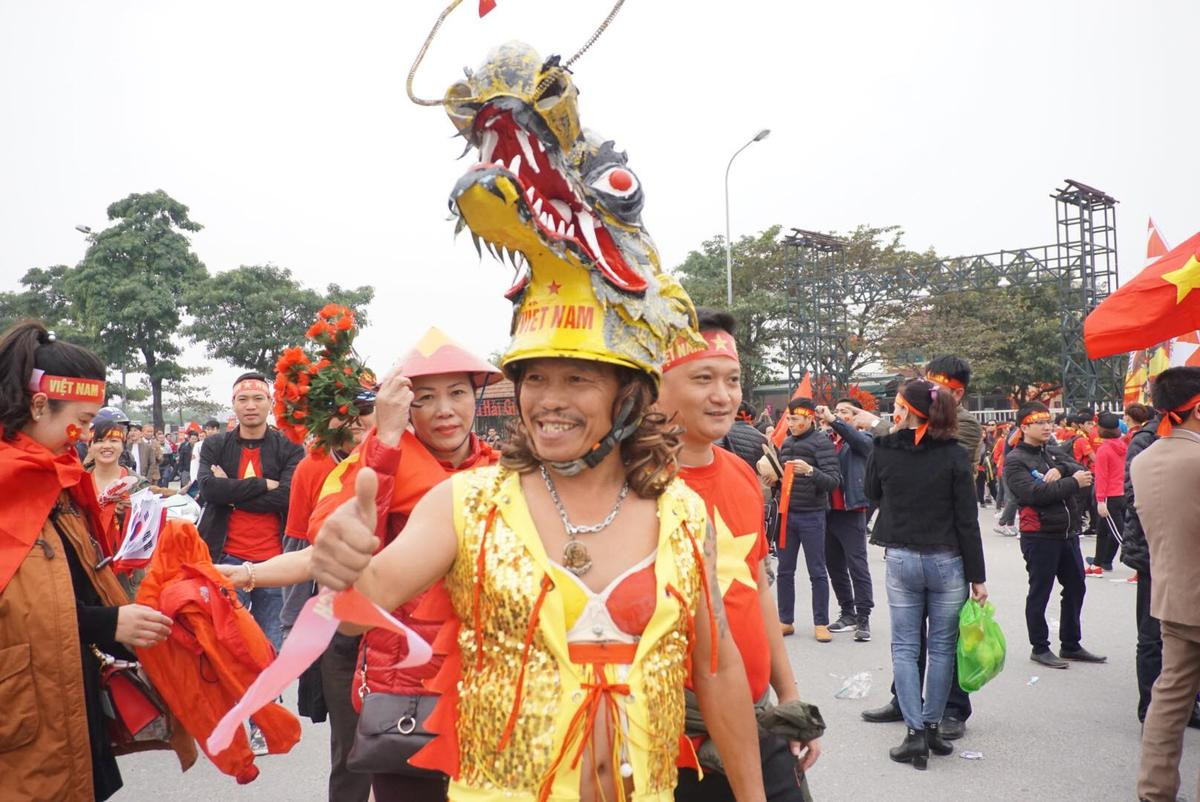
(437,353)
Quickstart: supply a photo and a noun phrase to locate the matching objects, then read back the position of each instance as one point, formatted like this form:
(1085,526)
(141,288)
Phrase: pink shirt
(1110,468)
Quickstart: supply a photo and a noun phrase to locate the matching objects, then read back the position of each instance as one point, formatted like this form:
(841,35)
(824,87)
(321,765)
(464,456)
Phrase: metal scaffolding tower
(1081,266)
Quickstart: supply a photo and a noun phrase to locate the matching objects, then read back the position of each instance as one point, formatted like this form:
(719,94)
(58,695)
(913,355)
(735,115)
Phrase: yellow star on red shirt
(731,555)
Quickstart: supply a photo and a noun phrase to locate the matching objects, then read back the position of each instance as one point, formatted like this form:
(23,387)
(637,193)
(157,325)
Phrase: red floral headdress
(312,388)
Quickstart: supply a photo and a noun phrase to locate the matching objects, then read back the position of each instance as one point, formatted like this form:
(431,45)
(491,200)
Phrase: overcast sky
(285,128)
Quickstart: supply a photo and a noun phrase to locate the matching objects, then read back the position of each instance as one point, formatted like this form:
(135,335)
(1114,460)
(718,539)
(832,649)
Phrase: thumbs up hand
(343,548)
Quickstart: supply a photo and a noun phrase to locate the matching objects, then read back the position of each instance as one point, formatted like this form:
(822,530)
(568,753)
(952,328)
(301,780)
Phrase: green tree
(47,297)
(184,400)
(1010,335)
(761,303)
(126,290)
(247,316)
(44,297)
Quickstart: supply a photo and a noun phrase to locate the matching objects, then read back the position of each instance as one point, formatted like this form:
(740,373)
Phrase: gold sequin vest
(501,579)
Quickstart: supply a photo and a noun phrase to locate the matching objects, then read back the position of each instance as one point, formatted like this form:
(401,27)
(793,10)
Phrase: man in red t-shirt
(701,391)
(245,476)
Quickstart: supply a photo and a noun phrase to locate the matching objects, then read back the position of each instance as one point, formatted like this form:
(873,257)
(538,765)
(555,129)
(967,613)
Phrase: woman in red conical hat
(425,413)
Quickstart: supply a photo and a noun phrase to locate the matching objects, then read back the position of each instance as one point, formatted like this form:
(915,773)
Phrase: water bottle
(1038,475)
(855,687)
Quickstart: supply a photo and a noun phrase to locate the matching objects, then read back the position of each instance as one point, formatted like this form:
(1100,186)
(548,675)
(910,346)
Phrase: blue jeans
(924,587)
(805,528)
(264,604)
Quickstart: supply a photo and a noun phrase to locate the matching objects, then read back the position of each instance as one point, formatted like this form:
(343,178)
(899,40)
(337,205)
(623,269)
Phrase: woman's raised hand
(392,404)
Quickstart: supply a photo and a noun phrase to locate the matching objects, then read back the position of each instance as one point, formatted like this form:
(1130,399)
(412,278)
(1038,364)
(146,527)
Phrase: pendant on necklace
(576,558)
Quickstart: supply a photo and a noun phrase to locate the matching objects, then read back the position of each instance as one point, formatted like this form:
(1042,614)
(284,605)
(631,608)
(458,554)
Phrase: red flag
(1156,246)
(785,496)
(781,429)
(1161,302)
(1146,363)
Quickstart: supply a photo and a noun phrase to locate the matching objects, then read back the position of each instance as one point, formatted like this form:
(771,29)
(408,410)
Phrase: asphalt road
(1069,735)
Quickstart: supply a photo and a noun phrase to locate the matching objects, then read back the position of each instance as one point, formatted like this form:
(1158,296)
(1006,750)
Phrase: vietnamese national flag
(781,428)
(1146,363)
(1161,302)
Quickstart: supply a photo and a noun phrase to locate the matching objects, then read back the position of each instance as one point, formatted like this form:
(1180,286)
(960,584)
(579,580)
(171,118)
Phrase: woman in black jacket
(928,521)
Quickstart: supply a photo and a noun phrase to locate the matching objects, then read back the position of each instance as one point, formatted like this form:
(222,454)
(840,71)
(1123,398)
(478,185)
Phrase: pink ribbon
(309,638)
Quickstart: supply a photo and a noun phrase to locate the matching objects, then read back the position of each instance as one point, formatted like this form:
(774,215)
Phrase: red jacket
(1110,468)
(214,652)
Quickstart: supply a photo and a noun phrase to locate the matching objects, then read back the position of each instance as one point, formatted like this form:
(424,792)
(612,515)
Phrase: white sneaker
(258,744)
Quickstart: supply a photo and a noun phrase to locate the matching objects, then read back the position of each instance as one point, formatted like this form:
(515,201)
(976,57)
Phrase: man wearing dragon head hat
(580,570)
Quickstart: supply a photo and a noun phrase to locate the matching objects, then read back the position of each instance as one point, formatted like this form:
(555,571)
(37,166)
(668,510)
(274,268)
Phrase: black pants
(1149,645)
(846,561)
(980,486)
(781,778)
(1106,544)
(338,665)
(1047,559)
(958,704)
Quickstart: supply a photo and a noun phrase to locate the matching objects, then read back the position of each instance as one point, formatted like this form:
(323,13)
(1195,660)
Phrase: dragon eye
(617,181)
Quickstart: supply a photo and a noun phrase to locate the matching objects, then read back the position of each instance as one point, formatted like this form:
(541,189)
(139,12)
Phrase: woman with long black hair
(59,600)
(928,522)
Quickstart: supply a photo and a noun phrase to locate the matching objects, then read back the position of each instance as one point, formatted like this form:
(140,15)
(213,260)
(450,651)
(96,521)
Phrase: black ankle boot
(937,744)
(914,750)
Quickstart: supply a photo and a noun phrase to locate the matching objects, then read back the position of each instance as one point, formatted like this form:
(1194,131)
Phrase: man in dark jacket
(846,521)
(815,475)
(1136,554)
(245,477)
(743,439)
(1046,483)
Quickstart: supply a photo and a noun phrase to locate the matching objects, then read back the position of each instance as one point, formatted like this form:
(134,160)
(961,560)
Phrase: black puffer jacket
(280,457)
(1047,509)
(926,497)
(745,441)
(815,448)
(1134,551)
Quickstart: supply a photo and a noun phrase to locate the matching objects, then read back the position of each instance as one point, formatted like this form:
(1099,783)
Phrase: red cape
(31,479)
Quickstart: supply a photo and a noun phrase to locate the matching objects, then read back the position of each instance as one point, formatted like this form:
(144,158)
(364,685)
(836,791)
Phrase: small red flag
(1161,302)
(485,6)
(781,428)
(785,496)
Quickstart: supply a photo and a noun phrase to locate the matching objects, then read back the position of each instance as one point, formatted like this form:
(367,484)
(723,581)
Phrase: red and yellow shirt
(734,502)
(306,486)
(253,536)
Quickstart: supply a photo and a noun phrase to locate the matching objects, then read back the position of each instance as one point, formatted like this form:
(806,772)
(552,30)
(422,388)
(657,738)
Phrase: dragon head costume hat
(564,206)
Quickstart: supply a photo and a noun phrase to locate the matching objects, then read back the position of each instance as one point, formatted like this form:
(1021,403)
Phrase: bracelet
(249,566)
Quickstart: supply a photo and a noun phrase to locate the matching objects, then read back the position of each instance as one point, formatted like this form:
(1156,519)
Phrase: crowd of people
(600,584)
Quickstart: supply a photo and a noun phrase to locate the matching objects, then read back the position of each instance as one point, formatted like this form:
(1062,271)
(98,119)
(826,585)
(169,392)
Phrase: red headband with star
(716,343)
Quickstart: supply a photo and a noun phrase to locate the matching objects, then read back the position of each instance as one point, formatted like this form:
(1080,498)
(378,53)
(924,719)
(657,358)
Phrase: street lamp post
(759,137)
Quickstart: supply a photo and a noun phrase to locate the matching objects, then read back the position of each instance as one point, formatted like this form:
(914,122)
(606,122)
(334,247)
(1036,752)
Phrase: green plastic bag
(980,645)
